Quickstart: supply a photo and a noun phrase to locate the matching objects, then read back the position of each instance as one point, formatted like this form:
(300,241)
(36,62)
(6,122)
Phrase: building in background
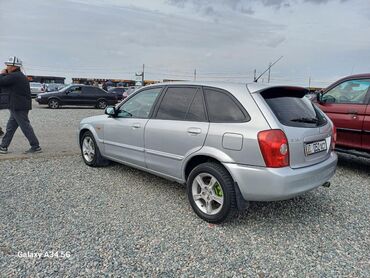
(111,82)
(46,79)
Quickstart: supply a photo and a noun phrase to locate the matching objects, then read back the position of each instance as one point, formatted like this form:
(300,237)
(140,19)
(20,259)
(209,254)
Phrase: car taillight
(274,148)
(333,138)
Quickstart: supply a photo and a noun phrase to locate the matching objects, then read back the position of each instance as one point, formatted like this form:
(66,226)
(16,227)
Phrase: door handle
(354,114)
(194,130)
(136,125)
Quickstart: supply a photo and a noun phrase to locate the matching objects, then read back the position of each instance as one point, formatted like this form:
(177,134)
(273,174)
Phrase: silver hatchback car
(229,143)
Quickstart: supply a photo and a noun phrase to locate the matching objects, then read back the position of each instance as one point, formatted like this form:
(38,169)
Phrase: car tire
(90,151)
(54,103)
(211,192)
(101,104)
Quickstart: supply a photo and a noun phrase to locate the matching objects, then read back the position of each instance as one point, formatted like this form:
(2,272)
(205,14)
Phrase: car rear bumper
(271,184)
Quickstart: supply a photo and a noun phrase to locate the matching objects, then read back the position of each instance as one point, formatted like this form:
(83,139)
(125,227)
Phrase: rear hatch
(307,129)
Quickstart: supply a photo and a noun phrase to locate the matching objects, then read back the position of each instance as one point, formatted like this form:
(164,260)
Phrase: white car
(36,88)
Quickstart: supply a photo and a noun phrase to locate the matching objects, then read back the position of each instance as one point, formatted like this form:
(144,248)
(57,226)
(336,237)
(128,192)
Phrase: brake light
(333,137)
(274,148)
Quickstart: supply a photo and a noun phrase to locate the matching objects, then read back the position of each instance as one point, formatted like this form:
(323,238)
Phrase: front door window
(351,92)
(140,105)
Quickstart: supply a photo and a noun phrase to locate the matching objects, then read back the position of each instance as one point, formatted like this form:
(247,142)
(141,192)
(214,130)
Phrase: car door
(345,104)
(99,94)
(89,95)
(366,127)
(124,134)
(73,96)
(178,128)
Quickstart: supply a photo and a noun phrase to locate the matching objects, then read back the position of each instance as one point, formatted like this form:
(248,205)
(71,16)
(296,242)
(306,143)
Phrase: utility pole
(255,76)
(142,75)
(309,82)
(195,74)
(269,75)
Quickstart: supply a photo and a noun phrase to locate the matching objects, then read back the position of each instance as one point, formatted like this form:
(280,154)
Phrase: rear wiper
(306,120)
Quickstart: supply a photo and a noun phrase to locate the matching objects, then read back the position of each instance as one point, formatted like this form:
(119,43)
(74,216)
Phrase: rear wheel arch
(214,201)
(193,162)
(197,160)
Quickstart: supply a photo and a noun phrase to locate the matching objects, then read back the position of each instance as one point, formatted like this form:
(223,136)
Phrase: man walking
(15,83)
(2,107)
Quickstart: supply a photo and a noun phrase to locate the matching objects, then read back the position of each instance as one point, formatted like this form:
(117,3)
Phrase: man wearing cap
(16,84)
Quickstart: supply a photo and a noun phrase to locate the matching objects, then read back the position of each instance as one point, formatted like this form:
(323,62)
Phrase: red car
(347,103)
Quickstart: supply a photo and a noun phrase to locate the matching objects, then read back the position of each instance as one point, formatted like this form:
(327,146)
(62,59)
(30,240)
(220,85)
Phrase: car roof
(360,76)
(234,88)
(83,85)
(349,77)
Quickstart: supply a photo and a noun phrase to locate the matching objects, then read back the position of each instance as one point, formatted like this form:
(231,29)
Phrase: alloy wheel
(102,104)
(88,149)
(207,193)
(53,104)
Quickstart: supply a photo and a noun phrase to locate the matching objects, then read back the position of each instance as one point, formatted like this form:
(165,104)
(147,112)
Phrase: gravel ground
(120,221)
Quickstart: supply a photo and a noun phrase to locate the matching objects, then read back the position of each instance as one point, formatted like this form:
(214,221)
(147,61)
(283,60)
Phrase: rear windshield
(292,108)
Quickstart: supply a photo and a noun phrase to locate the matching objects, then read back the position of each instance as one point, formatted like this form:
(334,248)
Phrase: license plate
(315,147)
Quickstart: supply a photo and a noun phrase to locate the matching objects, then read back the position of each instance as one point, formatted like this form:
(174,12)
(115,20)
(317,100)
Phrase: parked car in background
(77,94)
(118,91)
(347,103)
(230,143)
(36,88)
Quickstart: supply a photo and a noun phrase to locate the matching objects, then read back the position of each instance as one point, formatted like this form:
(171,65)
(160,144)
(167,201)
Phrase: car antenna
(270,66)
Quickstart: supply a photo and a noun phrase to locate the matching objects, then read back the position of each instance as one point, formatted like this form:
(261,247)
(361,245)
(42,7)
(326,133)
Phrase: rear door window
(196,110)
(87,91)
(223,108)
(99,92)
(292,108)
(177,102)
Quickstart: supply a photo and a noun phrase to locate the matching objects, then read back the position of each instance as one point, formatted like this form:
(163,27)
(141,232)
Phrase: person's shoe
(33,150)
(3,150)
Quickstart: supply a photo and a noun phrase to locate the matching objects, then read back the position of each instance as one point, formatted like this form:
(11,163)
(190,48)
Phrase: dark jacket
(16,85)
(4,100)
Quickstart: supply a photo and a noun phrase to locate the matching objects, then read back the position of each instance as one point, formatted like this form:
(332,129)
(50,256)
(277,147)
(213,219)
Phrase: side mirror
(111,111)
(319,97)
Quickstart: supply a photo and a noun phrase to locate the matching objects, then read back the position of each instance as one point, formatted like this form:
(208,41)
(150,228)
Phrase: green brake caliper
(218,190)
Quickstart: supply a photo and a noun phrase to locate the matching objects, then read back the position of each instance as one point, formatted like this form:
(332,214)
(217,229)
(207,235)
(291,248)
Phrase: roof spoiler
(283,91)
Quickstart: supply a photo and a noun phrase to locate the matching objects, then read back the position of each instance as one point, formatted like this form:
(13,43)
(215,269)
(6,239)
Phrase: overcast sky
(221,39)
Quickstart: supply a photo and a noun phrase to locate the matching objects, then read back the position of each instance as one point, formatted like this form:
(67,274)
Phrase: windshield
(65,88)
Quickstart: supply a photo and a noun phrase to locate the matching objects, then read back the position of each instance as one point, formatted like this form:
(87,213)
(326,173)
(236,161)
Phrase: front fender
(97,132)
